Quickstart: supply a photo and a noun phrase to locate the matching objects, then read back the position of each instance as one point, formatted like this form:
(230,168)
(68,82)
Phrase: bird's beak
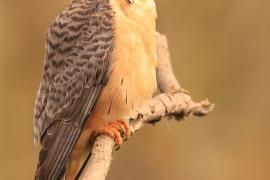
(131,1)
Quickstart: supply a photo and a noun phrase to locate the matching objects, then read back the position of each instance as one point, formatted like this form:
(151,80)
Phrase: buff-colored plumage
(133,76)
(100,65)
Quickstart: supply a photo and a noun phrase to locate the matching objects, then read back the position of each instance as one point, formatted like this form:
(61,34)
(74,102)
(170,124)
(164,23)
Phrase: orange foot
(115,129)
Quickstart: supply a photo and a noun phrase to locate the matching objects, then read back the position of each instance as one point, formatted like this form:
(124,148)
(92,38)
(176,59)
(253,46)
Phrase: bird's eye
(130,1)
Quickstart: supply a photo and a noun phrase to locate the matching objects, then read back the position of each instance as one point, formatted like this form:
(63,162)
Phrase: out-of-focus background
(220,50)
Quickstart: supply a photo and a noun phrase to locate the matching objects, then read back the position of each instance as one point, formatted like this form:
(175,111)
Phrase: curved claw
(114,130)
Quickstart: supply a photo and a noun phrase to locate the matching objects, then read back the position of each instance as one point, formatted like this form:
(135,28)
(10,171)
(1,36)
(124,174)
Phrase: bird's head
(137,10)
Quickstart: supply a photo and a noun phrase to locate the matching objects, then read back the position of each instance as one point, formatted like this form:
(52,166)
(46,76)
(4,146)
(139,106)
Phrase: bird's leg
(114,130)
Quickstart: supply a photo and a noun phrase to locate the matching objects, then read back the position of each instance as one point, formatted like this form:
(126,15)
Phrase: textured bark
(174,102)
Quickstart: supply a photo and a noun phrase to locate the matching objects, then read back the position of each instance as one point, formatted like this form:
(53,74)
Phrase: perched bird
(100,65)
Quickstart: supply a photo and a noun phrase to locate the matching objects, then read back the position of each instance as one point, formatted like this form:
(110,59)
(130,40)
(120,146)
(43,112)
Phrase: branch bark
(174,102)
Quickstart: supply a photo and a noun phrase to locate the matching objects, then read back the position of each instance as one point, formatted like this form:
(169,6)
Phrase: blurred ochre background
(220,50)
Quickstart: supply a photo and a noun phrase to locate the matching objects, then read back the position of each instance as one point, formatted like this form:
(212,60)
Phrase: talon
(117,147)
(115,129)
(125,127)
(113,133)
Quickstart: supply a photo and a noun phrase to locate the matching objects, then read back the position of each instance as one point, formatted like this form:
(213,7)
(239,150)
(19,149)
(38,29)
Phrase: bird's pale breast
(133,77)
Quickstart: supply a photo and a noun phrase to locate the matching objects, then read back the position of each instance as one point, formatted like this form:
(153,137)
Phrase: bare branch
(166,79)
(174,102)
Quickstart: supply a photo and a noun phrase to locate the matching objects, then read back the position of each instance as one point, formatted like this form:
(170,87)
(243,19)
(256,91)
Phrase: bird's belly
(132,81)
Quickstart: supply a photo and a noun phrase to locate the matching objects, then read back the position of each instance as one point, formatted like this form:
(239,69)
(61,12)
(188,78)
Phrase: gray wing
(76,68)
